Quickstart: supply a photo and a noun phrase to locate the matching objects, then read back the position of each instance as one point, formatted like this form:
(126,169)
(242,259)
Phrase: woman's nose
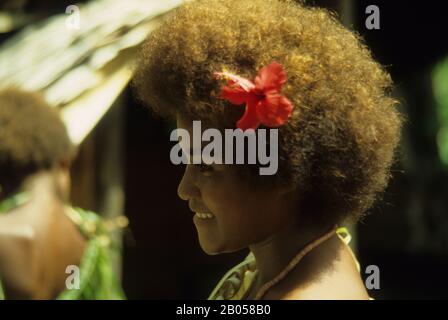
(187,188)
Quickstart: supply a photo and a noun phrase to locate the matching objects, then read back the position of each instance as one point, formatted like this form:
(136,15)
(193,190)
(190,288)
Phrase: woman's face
(231,213)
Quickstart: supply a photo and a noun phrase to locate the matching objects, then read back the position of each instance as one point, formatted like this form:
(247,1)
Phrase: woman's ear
(62,177)
(65,163)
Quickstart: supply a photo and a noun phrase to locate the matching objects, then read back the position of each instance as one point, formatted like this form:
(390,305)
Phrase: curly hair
(338,145)
(32,136)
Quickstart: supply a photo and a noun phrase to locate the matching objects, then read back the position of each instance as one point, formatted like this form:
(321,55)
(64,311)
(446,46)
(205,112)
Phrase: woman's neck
(42,184)
(273,254)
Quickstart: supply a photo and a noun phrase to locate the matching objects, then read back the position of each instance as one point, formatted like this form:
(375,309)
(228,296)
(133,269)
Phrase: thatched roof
(81,70)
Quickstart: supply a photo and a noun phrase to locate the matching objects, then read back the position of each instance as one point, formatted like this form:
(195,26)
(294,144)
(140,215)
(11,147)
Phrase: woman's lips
(202,220)
(201,213)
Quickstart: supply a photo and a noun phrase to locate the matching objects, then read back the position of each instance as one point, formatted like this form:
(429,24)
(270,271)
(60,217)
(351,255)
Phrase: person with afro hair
(41,236)
(338,128)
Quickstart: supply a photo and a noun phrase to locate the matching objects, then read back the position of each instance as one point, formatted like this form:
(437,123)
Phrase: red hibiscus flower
(264,102)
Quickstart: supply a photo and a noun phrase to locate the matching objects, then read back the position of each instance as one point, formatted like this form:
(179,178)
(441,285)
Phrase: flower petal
(271,77)
(250,118)
(234,95)
(234,80)
(274,110)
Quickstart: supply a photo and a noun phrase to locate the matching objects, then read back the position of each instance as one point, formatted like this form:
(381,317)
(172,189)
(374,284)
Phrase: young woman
(45,243)
(276,64)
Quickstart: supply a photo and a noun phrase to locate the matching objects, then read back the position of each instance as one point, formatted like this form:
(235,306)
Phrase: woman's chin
(213,248)
(210,248)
